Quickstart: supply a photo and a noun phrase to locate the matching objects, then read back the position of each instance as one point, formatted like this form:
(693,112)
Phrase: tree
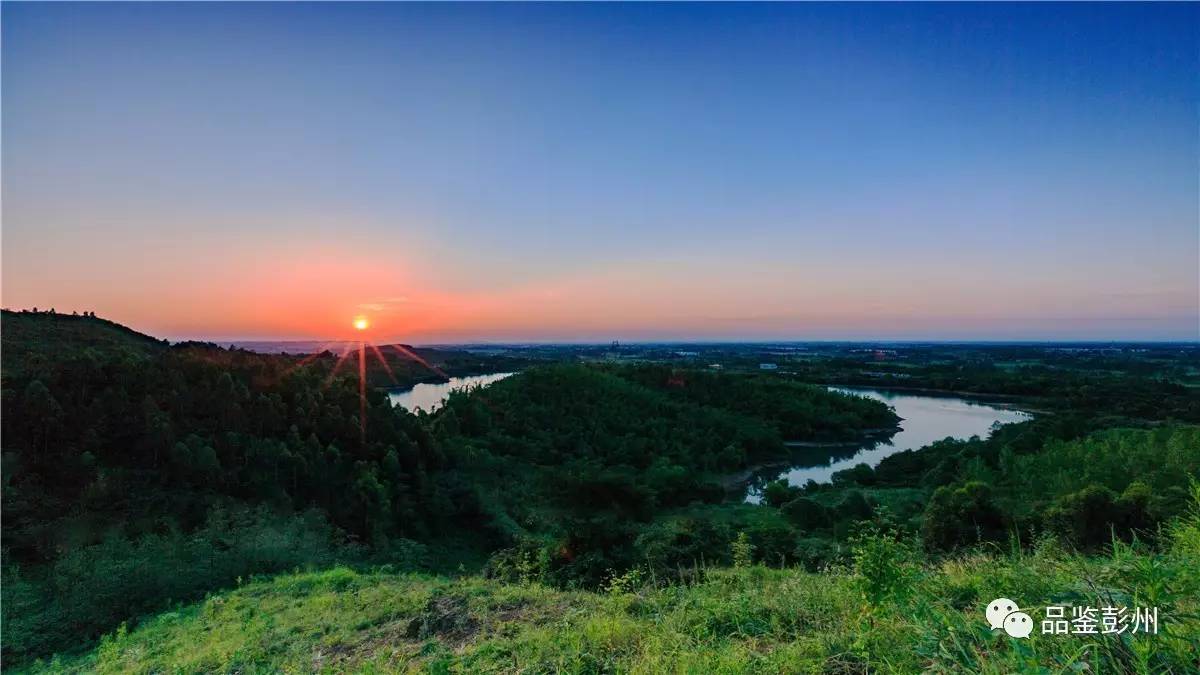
(371,500)
(959,516)
(806,514)
(854,506)
(778,492)
(859,474)
(1086,517)
(885,565)
(42,412)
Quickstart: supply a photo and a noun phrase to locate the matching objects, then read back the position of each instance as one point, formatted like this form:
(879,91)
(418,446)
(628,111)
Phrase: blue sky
(491,172)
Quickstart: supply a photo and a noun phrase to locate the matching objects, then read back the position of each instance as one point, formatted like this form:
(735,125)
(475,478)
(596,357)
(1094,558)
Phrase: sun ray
(416,357)
(362,391)
(361,323)
(338,365)
(308,359)
(383,361)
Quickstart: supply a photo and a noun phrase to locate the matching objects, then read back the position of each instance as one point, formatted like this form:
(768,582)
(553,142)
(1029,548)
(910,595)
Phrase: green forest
(190,507)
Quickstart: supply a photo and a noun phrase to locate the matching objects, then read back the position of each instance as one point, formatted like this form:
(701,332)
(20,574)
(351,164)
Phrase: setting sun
(361,323)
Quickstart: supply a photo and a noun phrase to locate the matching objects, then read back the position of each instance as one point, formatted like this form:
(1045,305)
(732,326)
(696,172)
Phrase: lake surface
(429,397)
(925,419)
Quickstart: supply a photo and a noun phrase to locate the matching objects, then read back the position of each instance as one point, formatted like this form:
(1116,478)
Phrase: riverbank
(1018,402)
(926,417)
(865,436)
(741,479)
(429,396)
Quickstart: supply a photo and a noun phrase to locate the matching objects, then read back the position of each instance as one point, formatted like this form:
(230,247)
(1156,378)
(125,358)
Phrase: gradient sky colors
(596,172)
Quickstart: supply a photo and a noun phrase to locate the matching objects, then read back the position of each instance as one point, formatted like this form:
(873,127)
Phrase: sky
(549,172)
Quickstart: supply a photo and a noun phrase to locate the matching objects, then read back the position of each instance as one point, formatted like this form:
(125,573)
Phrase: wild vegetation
(590,472)
(576,517)
(124,465)
(113,460)
(890,609)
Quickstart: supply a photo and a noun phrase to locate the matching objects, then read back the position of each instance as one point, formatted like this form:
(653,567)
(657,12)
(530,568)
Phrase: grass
(735,620)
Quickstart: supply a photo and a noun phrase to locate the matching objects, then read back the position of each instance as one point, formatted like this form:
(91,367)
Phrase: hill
(136,474)
(891,610)
(32,340)
(581,508)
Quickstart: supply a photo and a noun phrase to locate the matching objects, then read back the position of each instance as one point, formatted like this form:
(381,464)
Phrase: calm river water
(430,396)
(925,419)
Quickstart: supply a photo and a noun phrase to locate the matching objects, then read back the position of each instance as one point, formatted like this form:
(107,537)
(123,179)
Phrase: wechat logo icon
(1003,613)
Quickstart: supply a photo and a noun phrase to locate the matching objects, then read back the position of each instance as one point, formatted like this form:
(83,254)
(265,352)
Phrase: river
(925,419)
(429,397)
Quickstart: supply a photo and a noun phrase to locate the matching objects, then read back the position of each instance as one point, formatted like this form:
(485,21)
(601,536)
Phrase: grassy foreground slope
(890,611)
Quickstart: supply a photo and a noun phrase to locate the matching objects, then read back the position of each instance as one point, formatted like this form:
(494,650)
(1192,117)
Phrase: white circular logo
(997,610)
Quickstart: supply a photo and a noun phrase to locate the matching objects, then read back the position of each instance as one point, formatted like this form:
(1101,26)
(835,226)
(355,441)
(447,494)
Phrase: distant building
(614,351)
(767,366)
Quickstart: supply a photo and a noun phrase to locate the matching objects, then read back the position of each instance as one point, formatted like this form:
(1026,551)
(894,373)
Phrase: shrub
(816,553)
(682,542)
(886,566)
(1088,517)
(742,550)
(854,506)
(92,589)
(773,540)
(859,474)
(806,514)
(962,515)
(778,492)
(526,563)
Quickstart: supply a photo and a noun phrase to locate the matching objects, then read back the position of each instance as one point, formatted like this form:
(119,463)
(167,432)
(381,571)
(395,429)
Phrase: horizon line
(482,342)
(719,342)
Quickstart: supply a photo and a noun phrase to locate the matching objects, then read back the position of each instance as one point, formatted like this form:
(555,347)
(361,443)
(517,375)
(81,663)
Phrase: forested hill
(137,473)
(118,459)
(583,467)
(572,517)
(32,339)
